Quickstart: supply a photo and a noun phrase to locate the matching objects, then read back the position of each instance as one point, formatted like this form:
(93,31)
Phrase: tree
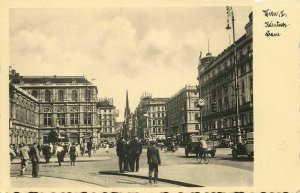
(52,137)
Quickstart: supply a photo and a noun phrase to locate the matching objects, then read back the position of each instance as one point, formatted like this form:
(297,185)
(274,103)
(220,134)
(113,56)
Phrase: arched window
(74,95)
(87,95)
(47,95)
(34,93)
(60,95)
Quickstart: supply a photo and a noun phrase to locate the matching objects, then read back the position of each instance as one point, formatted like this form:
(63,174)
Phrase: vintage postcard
(138,96)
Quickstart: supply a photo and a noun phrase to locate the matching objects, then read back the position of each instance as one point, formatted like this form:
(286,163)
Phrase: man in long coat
(120,149)
(153,161)
(136,150)
(35,160)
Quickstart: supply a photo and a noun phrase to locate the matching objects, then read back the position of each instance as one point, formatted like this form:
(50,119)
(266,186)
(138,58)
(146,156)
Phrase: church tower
(126,118)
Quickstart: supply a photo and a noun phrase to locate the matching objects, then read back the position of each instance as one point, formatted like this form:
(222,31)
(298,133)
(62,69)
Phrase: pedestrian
(107,148)
(60,154)
(136,150)
(51,148)
(12,153)
(120,149)
(47,152)
(35,159)
(54,149)
(89,147)
(77,149)
(127,156)
(73,154)
(24,155)
(94,148)
(82,149)
(153,161)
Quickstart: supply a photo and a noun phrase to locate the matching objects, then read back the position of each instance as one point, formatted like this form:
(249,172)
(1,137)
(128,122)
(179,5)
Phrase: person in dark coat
(153,161)
(127,156)
(47,152)
(120,150)
(89,147)
(73,154)
(135,149)
(35,160)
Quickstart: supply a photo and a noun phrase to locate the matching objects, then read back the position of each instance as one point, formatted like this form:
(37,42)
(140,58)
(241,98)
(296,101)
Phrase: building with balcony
(182,114)
(216,76)
(67,105)
(106,122)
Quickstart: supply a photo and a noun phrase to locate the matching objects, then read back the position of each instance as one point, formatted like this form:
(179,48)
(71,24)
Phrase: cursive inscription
(275,24)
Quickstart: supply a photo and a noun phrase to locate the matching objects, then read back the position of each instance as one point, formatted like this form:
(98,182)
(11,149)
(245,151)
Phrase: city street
(101,170)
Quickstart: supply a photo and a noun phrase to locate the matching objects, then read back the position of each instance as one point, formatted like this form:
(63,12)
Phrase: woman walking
(73,154)
(153,161)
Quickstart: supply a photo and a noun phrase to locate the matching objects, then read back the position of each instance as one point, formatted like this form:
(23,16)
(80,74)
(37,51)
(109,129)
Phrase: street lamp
(147,130)
(238,124)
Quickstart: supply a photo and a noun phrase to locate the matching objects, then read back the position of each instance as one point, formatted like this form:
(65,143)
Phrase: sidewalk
(67,159)
(20,182)
(198,175)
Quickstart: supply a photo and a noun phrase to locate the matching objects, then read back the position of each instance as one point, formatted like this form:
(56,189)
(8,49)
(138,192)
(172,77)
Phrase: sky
(150,49)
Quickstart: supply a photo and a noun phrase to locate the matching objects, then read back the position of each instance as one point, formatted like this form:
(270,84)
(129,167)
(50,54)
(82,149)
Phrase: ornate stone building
(67,105)
(23,116)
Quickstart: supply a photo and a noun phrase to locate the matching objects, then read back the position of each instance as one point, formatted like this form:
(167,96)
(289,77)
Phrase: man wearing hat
(136,151)
(153,161)
(120,149)
(35,159)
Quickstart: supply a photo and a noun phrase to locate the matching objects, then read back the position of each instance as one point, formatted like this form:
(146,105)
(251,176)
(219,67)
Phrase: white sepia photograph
(131,97)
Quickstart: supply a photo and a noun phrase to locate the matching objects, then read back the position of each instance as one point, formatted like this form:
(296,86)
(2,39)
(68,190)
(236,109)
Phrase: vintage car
(192,147)
(245,148)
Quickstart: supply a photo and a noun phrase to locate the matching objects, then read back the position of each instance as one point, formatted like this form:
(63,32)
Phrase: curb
(185,184)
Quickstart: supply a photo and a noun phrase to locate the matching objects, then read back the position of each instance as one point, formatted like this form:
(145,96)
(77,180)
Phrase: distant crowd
(128,152)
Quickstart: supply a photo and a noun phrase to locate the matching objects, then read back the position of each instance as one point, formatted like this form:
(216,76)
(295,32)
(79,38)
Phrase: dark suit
(121,154)
(136,150)
(153,161)
(35,159)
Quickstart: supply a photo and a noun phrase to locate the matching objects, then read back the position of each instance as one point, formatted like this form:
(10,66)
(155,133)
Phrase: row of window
(25,115)
(107,130)
(159,108)
(61,118)
(61,95)
(156,130)
(105,123)
(157,115)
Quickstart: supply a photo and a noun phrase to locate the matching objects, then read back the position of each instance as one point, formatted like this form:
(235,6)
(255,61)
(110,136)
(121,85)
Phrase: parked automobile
(192,147)
(225,143)
(245,148)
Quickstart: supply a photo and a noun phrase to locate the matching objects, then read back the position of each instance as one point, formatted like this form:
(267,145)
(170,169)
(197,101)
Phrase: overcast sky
(152,50)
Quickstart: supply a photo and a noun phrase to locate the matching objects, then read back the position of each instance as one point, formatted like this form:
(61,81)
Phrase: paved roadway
(86,171)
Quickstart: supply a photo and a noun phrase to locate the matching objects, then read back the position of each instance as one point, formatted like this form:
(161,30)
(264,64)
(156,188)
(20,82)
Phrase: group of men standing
(129,152)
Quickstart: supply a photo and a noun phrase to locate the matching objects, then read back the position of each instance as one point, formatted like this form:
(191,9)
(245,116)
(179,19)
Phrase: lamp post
(230,14)
(147,130)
